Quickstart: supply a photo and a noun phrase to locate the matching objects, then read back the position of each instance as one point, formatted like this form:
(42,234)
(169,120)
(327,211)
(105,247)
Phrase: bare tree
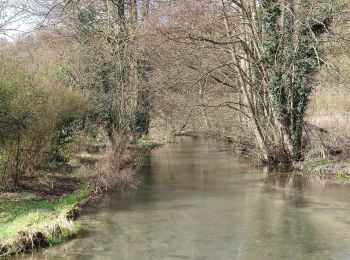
(267,52)
(12,16)
(106,32)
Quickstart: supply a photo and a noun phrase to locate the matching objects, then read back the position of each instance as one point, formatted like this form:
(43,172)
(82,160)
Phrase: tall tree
(107,31)
(270,51)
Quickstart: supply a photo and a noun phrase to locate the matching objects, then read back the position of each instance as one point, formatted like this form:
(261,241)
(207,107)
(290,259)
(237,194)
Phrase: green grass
(144,144)
(16,215)
(71,230)
(317,163)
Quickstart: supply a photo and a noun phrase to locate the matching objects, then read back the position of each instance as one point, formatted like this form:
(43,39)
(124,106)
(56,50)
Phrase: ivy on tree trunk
(291,58)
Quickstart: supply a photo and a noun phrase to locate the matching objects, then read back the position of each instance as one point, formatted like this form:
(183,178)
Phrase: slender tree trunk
(246,91)
(18,158)
(204,111)
(133,12)
(145,8)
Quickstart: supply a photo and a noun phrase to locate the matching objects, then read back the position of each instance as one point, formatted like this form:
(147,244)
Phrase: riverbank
(29,222)
(243,146)
(336,171)
(43,212)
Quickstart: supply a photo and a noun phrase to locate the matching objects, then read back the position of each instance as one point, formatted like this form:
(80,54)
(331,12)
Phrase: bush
(34,113)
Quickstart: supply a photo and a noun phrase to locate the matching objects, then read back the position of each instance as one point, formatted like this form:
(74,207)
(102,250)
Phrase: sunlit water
(199,202)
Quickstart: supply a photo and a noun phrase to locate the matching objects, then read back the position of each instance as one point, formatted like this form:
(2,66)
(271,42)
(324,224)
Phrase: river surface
(199,202)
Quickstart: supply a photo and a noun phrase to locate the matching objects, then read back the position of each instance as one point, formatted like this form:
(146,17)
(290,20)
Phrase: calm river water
(201,203)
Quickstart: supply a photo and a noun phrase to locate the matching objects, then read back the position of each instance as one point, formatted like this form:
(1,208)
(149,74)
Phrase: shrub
(35,112)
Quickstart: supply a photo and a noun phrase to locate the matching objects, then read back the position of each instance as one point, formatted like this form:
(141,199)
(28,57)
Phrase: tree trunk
(145,8)
(133,12)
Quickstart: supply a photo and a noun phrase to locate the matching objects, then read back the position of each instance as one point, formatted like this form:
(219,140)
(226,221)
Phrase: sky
(12,26)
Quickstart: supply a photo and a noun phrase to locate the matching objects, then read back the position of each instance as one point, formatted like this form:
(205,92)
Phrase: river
(198,202)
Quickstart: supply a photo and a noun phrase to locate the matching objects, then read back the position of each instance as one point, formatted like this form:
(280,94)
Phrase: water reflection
(200,203)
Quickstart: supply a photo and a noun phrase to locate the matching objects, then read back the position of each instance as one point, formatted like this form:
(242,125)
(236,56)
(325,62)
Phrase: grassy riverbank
(28,222)
(25,209)
(43,211)
(332,170)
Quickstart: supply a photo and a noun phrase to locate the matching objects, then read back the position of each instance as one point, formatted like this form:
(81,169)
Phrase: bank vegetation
(84,88)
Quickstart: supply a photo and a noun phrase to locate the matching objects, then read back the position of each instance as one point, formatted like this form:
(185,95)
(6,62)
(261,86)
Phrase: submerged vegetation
(84,92)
